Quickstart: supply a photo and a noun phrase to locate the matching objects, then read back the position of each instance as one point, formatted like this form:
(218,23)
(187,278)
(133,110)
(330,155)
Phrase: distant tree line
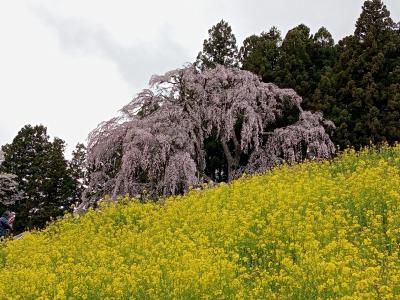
(355,83)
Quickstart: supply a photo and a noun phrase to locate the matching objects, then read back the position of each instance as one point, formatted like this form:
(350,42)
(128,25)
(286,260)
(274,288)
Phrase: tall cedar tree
(295,65)
(361,94)
(261,54)
(220,48)
(297,62)
(44,180)
(78,170)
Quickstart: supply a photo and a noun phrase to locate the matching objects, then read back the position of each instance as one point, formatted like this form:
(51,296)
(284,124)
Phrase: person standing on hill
(6,222)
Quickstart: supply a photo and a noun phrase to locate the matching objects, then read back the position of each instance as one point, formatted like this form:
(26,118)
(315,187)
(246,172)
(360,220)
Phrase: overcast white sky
(71,64)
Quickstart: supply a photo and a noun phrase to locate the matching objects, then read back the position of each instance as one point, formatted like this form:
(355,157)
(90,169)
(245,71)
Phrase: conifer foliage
(355,83)
(297,61)
(44,182)
(219,49)
(78,170)
(361,92)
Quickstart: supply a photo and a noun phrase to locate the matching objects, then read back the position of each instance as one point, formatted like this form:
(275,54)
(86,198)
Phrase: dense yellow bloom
(317,230)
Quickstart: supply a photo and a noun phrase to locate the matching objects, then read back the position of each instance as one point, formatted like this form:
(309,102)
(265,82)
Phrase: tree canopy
(231,112)
(78,170)
(40,169)
(360,94)
(355,83)
(296,62)
(261,54)
(158,147)
(220,47)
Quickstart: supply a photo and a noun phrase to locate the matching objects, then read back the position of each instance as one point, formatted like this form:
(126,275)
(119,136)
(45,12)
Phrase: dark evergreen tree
(295,64)
(78,170)
(323,54)
(60,186)
(304,58)
(44,181)
(355,83)
(298,62)
(220,48)
(374,22)
(261,54)
(361,92)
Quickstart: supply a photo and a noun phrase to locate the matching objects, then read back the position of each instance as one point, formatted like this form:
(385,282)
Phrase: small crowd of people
(6,223)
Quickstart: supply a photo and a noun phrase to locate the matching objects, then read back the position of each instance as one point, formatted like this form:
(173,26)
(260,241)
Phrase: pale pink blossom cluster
(156,147)
(9,193)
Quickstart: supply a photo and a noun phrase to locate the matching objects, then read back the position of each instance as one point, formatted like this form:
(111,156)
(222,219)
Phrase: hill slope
(326,229)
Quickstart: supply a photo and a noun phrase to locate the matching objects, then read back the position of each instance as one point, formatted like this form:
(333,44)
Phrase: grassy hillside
(329,229)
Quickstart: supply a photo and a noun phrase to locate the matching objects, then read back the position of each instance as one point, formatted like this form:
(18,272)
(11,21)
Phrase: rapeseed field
(325,230)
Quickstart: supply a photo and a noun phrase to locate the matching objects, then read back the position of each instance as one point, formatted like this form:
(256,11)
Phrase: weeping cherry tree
(166,138)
